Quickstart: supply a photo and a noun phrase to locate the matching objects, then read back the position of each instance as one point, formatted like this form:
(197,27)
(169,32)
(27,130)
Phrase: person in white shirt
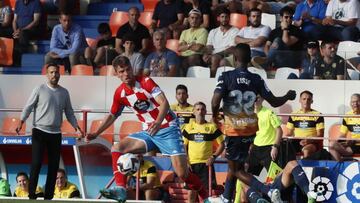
(255,35)
(220,42)
(342,21)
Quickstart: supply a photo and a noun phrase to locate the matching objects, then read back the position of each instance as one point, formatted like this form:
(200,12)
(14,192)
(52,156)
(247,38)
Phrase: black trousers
(41,141)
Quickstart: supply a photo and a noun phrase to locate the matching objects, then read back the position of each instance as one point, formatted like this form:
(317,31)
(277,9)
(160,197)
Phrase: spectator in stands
(104,52)
(203,6)
(330,66)
(137,30)
(182,104)
(192,41)
(255,35)
(22,188)
(63,188)
(309,15)
(5,20)
(234,6)
(168,14)
(150,186)
(306,126)
(25,25)
(58,6)
(48,102)
(341,19)
(310,60)
(220,42)
(136,58)
(285,44)
(163,62)
(199,137)
(67,44)
(238,90)
(346,148)
(267,140)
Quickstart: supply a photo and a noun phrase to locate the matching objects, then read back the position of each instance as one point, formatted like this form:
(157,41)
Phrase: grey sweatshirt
(48,104)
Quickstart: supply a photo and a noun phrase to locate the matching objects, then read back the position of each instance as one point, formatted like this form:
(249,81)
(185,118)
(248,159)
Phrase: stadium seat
(101,8)
(269,20)
(198,72)
(9,125)
(284,72)
(10,3)
(353,74)
(334,131)
(107,70)
(82,69)
(128,127)
(222,69)
(146,18)
(62,70)
(33,61)
(238,20)
(348,49)
(173,44)
(91,42)
(116,20)
(149,5)
(6,51)
(90,21)
(91,33)
(258,71)
(68,130)
(108,134)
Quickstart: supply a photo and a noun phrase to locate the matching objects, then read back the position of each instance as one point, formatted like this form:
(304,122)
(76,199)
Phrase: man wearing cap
(192,41)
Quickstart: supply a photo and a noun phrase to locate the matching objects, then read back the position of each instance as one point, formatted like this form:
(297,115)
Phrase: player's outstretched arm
(108,120)
(278,101)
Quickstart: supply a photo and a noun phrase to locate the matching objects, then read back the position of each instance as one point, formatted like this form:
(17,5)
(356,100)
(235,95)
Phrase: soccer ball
(128,164)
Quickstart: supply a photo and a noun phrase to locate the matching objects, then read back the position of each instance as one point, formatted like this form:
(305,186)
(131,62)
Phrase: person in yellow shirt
(150,187)
(63,188)
(22,189)
(199,136)
(338,149)
(182,104)
(306,126)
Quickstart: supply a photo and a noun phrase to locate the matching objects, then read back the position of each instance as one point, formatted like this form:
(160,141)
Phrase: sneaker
(259,62)
(214,200)
(117,193)
(276,196)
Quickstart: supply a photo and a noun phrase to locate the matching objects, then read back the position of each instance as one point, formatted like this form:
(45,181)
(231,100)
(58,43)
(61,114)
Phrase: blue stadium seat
(91,33)
(31,64)
(43,46)
(100,8)
(90,21)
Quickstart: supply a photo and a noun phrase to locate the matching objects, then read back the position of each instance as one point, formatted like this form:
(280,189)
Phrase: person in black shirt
(96,56)
(137,30)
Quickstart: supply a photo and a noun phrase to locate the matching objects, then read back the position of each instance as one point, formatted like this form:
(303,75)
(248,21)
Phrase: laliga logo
(321,188)
(348,184)
(28,141)
(4,140)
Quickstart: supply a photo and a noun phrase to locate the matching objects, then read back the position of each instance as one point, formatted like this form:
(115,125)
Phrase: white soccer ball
(128,164)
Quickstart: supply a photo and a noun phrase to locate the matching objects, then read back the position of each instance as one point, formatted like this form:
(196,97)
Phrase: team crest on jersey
(141,105)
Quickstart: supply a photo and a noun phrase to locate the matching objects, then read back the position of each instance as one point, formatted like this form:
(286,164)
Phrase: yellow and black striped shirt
(305,126)
(351,125)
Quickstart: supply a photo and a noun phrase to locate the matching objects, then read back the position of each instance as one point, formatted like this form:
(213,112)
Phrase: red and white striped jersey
(141,100)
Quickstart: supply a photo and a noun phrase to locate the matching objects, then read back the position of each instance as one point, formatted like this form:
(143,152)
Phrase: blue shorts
(168,140)
(237,147)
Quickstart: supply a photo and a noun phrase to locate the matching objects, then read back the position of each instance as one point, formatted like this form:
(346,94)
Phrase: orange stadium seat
(10,3)
(146,18)
(6,51)
(334,131)
(108,134)
(107,70)
(9,125)
(129,127)
(68,130)
(238,20)
(149,5)
(82,69)
(62,70)
(116,20)
(173,44)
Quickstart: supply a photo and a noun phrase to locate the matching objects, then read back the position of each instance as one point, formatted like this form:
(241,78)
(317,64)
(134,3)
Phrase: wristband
(276,146)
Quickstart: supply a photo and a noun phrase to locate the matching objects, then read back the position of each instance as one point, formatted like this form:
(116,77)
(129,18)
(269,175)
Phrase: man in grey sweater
(48,101)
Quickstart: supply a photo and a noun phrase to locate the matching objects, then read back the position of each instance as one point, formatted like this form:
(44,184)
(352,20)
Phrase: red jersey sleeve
(150,86)
(117,106)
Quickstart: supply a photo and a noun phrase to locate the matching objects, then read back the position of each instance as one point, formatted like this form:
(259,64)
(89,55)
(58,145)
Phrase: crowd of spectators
(204,32)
